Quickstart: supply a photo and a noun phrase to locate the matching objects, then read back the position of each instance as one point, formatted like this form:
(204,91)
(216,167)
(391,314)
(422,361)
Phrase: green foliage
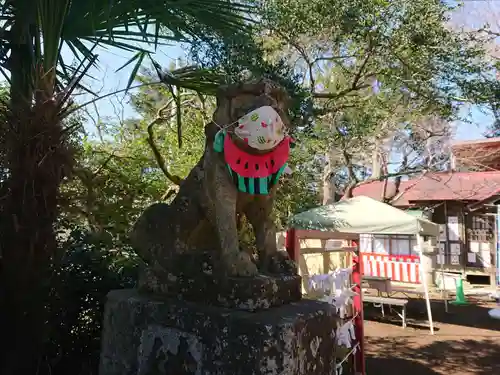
(375,69)
(298,191)
(404,45)
(88,271)
(118,176)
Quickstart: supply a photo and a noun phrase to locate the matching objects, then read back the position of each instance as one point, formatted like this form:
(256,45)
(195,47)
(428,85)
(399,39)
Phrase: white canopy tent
(365,215)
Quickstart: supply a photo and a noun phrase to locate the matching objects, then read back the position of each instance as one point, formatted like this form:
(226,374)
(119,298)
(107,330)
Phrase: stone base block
(145,336)
(243,293)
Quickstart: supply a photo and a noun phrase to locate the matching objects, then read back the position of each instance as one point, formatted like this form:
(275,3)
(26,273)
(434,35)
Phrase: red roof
(482,141)
(482,154)
(464,186)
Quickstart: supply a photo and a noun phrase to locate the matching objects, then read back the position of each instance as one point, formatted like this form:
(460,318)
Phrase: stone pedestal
(193,277)
(252,293)
(145,335)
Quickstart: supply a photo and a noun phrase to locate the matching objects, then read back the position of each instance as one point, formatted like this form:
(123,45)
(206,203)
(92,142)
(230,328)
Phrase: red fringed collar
(256,166)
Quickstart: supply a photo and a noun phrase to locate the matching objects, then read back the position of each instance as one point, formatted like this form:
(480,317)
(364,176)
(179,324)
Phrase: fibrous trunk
(36,159)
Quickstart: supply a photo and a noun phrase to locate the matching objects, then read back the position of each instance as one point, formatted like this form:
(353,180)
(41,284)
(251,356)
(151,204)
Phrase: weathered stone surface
(210,288)
(170,337)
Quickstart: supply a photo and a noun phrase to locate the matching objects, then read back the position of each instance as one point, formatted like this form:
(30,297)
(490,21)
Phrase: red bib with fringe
(256,166)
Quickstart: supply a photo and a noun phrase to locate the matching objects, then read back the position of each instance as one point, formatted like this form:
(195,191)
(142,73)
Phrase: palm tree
(35,152)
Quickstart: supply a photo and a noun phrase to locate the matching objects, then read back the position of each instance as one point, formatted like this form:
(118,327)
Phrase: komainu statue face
(235,101)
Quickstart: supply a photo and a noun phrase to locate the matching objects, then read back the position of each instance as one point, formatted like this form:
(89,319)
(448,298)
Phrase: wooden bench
(381,301)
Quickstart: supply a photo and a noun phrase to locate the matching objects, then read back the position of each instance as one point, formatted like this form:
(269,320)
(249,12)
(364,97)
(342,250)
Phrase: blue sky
(476,125)
(106,80)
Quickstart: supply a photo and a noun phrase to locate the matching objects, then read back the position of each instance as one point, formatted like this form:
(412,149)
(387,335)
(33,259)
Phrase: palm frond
(128,25)
(191,78)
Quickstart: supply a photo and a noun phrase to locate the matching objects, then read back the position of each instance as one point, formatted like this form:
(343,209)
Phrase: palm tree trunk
(35,162)
(35,159)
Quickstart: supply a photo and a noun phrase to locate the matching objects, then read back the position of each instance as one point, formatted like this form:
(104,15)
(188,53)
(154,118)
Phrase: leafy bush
(90,268)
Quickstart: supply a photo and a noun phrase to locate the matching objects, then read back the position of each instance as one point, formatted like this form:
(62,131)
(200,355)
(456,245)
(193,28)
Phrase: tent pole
(444,292)
(420,245)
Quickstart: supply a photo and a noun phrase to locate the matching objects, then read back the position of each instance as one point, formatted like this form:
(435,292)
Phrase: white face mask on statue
(262,128)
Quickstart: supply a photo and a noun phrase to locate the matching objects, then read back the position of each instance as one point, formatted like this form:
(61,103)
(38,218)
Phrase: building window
(402,245)
(482,228)
(381,244)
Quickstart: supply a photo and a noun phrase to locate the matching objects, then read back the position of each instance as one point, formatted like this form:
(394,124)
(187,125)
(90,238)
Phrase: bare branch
(102,166)
(337,95)
(159,158)
(302,52)
(332,58)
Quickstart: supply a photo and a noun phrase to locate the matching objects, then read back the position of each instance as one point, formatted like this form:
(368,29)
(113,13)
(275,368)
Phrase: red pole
(289,243)
(357,273)
(292,244)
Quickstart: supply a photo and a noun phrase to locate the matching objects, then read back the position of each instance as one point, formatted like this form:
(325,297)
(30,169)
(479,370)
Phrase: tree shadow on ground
(412,356)
(473,315)
(381,365)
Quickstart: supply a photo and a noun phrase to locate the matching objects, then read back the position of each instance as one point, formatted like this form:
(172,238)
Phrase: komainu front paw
(241,264)
(280,263)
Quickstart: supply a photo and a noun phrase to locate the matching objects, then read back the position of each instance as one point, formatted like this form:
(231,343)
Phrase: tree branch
(302,52)
(328,95)
(159,159)
(356,84)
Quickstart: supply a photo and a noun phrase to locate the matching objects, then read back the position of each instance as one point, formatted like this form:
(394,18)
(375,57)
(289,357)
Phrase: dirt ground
(466,340)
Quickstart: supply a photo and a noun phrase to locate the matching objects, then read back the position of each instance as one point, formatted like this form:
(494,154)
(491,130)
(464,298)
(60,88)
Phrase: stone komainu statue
(246,151)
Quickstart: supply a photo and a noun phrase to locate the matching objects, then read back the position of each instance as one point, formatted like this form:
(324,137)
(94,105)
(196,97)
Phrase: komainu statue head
(238,100)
